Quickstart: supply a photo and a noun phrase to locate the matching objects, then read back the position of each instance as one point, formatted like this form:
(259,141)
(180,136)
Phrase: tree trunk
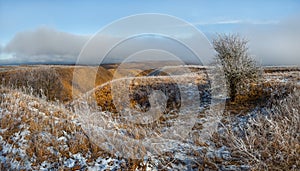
(233,91)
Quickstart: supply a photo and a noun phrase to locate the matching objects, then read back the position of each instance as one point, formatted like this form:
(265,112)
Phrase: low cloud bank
(272,44)
(275,44)
(44,45)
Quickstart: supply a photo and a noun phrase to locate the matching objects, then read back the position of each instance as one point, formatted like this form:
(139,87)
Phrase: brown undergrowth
(269,141)
(259,95)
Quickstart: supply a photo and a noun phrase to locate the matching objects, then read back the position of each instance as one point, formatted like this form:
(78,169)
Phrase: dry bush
(239,68)
(262,94)
(269,141)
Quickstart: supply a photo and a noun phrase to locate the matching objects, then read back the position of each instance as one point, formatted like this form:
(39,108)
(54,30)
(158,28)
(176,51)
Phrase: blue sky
(86,18)
(81,17)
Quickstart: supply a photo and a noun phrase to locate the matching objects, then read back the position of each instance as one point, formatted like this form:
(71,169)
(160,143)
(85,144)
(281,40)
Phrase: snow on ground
(38,135)
(32,129)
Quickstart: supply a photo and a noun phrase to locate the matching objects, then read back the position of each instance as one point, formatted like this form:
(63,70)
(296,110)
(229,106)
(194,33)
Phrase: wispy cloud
(232,22)
(263,22)
(229,22)
(223,22)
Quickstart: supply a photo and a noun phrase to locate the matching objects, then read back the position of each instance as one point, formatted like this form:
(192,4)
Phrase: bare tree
(240,69)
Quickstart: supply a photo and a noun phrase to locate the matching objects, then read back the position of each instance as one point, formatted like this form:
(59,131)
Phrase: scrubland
(40,129)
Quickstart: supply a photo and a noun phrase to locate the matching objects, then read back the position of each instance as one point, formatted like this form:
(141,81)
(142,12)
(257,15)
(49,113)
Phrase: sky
(55,31)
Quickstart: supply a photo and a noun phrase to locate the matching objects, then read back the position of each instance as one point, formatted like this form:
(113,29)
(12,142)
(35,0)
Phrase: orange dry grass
(138,91)
(56,82)
(46,123)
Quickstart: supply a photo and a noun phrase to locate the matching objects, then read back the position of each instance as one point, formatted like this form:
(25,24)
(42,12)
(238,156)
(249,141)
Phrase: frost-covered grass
(40,135)
(37,134)
(267,138)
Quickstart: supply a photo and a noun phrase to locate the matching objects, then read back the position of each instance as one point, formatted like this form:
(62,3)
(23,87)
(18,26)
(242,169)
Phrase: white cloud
(44,45)
(235,21)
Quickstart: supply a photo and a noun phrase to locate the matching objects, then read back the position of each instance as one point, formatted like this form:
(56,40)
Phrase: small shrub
(239,68)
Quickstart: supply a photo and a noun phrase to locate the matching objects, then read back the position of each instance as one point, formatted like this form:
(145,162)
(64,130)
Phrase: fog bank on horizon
(274,44)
